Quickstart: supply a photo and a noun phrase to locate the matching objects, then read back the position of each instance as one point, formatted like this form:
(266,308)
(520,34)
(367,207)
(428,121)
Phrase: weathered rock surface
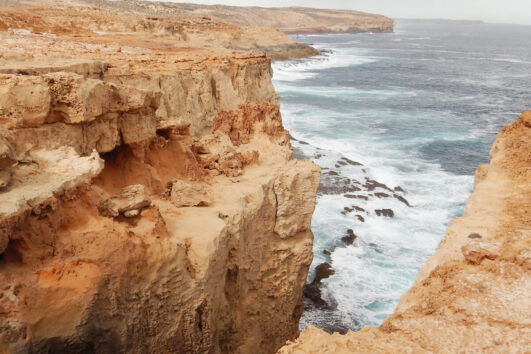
(145,105)
(164,23)
(292,19)
(35,186)
(472,294)
(129,201)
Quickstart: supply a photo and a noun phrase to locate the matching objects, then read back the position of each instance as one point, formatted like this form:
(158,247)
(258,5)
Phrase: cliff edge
(149,201)
(160,21)
(473,293)
(290,20)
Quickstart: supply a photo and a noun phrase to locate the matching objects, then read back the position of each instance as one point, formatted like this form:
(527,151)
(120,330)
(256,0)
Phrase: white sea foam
(308,68)
(340,92)
(511,60)
(334,122)
(371,275)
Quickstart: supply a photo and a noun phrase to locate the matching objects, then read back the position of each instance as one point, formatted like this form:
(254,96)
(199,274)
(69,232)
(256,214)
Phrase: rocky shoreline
(290,20)
(152,201)
(472,293)
(358,191)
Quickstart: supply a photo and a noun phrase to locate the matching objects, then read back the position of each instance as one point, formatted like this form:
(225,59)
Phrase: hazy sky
(509,11)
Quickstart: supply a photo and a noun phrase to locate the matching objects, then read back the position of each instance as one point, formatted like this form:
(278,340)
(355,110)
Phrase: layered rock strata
(109,20)
(152,203)
(472,294)
(288,19)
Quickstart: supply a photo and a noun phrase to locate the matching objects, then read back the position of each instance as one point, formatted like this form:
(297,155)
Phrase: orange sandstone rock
(87,121)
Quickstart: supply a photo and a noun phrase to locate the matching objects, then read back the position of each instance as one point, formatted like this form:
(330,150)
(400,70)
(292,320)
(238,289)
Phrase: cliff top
(71,29)
(287,19)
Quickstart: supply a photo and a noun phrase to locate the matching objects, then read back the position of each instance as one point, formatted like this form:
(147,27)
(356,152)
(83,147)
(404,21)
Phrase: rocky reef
(472,294)
(149,201)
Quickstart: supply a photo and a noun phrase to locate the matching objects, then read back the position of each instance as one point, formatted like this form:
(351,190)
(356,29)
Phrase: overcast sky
(509,11)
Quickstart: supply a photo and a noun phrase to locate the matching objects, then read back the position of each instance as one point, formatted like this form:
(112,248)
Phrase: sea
(398,123)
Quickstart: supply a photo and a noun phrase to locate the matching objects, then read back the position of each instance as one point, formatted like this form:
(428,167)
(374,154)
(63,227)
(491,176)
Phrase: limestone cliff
(149,201)
(473,294)
(168,26)
(287,19)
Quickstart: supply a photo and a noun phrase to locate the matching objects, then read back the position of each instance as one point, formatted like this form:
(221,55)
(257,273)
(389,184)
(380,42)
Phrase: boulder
(128,202)
(189,194)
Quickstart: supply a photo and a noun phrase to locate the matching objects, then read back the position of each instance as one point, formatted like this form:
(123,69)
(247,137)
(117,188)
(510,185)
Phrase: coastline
(151,200)
(471,294)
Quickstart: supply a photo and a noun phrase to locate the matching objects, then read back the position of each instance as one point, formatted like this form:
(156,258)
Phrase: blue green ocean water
(418,109)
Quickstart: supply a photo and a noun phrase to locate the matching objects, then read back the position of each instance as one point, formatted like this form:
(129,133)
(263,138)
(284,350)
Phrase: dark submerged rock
(350,238)
(350,162)
(323,271)
(375,247)
(333,183)
(385,212)
(353,196)
(298,153)
(312,291)
(382,195)
(402,199)
(371,185)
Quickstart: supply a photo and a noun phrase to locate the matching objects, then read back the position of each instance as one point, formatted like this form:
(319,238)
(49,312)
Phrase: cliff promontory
(288,19)
(473,294)
(149,201)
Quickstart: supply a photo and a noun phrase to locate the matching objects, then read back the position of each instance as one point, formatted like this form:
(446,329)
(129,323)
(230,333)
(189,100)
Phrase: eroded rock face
(34,186)
(294,214)
(99,254)
(71,110)
(128,202)
(24,101)
(296,19)
(117,132)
